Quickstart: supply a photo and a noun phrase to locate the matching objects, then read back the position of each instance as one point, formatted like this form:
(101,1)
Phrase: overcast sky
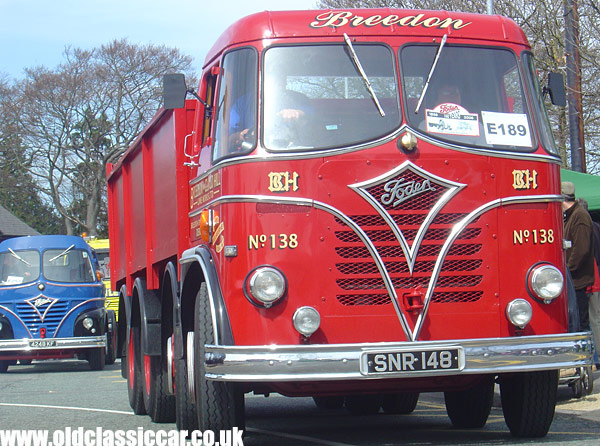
(36,32)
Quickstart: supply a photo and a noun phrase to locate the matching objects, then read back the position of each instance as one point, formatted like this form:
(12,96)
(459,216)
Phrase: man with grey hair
(580,255)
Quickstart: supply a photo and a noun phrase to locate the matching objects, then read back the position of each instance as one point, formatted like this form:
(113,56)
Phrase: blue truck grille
(51,317)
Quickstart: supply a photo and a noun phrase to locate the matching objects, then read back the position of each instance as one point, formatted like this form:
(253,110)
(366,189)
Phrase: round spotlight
(519,312)
(306,320)
(545,282)
(265,286)
(88,323)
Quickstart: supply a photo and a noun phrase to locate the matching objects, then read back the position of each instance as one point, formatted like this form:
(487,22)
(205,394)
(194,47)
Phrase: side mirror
(556,88)
(99,275)
(174,91)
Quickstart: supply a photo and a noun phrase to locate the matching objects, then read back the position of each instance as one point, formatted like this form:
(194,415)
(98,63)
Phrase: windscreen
(315,96)
(474,96)
(68,265)
(18,267)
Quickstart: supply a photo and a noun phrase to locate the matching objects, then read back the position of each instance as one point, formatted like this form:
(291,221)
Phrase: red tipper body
(396,242)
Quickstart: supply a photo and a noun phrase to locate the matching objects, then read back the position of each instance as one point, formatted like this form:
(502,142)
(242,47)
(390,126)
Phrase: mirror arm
(193,93)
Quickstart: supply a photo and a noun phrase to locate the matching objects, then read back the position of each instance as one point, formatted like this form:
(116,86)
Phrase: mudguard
(202,256)
(150,317)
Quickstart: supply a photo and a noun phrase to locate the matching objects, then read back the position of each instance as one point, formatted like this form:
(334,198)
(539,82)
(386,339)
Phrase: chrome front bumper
(39,345)
(322,362)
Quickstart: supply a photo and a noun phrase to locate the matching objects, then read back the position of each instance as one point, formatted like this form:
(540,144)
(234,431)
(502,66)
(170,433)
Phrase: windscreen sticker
(452,119)
(509,129)
(13,280)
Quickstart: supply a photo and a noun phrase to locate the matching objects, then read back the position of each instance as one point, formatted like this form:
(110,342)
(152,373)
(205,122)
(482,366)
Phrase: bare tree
(84,114)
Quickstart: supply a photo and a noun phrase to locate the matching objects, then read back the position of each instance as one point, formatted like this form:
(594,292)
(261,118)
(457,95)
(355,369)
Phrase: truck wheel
(400,403)
(363,404)
(329,402)
(158,403)
(4,366)
(111,337)
(587,379)
(220,405)
(185,407)
(96,358)
(134,372)
(528,402)
(470,408)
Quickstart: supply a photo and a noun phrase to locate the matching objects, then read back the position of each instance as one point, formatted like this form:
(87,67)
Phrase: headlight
(519,312)
(88,323)
(306,320)
(545,282)
(265,286)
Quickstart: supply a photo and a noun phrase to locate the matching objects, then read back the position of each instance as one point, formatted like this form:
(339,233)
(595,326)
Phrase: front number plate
(412,361)
(42,343)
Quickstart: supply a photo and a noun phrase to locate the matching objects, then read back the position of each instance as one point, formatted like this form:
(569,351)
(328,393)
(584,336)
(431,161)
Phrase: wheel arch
(197,266)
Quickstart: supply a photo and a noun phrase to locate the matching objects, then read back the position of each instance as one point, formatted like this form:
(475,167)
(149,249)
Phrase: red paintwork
(149,202)
(271,25)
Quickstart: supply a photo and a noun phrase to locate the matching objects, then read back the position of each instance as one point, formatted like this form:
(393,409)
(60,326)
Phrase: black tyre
(111,338)
(363,404)
(329,402)
(135,380)
(528,402)
(470,408)
(185,407)
(587,379)
(159,403)
(400,403)
(25,361)
(220,405)
(97,357)
(4,366)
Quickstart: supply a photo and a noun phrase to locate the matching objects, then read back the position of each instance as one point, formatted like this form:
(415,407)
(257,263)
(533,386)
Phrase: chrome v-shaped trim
(456,230)
(410,250)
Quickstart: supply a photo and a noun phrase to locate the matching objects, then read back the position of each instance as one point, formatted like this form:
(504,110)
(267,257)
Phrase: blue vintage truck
(51,301)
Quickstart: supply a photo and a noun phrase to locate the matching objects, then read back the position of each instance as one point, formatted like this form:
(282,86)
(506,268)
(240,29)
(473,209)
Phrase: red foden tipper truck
(357,206)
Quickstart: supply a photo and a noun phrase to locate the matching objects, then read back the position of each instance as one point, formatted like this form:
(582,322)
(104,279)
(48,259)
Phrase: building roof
(11,226)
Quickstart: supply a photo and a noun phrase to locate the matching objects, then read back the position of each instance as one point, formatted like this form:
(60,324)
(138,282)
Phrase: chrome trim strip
(75,307)
(188,256)
(456,230)
(18,318)
(18,345)
(323,362)
(265,156)
(333,211)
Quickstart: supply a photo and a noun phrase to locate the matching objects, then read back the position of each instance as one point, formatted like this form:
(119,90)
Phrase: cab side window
(236,107)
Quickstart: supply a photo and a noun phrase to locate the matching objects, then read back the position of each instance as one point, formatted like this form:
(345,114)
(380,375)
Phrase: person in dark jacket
(580,255)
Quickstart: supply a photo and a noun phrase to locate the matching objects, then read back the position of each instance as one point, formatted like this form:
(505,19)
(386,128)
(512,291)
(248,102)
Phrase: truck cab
(51,301)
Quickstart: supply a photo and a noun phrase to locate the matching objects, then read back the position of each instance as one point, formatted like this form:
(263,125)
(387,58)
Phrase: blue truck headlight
(88,323)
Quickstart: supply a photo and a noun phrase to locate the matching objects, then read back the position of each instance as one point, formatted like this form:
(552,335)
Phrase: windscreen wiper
(435,61)
(65,252)
(363,74)
(18,257)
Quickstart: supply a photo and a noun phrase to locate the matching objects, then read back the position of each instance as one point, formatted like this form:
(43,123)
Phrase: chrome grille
(358,278)
(51,320)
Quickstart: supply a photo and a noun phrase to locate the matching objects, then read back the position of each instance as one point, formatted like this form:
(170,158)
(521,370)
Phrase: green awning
(586,187)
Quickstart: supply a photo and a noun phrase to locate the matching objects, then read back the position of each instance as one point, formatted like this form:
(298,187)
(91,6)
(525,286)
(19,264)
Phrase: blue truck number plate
(42,343)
